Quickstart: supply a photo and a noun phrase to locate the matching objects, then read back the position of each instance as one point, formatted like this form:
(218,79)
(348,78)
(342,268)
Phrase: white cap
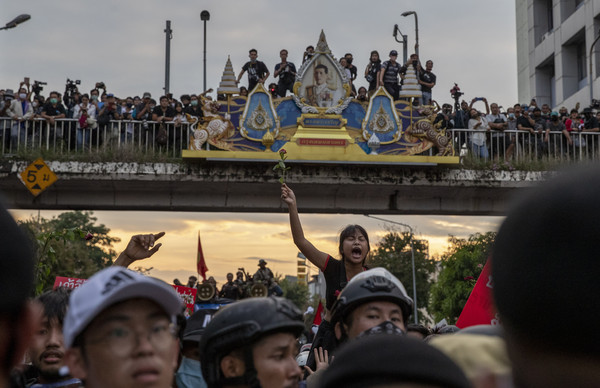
(109,286)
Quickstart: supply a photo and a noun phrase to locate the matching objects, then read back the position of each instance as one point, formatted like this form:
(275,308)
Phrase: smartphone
(26,80)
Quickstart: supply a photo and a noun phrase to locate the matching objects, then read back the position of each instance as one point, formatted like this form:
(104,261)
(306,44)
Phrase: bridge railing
(65,137)
(522,146)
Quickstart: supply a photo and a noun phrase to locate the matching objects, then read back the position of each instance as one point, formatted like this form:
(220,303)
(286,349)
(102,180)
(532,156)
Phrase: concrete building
(554,38)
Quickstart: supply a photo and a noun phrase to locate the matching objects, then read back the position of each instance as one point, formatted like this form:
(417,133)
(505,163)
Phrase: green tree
(71,244)
(297,292)
(393,252)
(461,266)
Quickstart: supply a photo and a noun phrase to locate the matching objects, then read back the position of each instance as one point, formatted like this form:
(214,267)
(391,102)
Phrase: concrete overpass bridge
(252,186)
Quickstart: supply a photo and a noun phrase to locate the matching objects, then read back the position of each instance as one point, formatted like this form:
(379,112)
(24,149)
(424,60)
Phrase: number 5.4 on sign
(37,177)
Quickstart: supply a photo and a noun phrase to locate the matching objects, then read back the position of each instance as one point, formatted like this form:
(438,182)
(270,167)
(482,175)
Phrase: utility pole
(169,36)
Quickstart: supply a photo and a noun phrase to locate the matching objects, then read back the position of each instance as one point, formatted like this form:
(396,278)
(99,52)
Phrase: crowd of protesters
(245,285)
(125,329)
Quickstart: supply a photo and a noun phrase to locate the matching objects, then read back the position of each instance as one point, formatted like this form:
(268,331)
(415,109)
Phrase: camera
(455,92)
(37,87)
(100,85)
(415,63)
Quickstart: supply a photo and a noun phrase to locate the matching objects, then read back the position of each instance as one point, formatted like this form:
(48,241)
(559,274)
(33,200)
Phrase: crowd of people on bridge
(491,131)
(125,329)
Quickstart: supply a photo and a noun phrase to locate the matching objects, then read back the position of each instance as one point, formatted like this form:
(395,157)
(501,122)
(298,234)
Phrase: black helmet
(375,284)
(241,324)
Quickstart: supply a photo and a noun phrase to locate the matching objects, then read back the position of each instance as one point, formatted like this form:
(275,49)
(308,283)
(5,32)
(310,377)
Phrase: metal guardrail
(65,136)
(522,146)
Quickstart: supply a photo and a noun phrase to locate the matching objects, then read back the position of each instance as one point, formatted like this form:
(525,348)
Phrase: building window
(543,19)
(574,64)
(581,62)
(568,8)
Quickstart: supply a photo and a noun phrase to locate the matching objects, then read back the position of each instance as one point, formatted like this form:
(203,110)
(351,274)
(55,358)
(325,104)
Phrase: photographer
(273,90)
(362,94)
(286,71)
(71,97)
(308,54)
(372,71)
(107,113)
(444,117)
(85,114)
(127,111)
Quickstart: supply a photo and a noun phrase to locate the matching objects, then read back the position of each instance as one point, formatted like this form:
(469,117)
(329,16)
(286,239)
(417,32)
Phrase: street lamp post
(169,36)
(591,77)
(404,42)
(416,29)
(412,254)
(16,21)
(204,16)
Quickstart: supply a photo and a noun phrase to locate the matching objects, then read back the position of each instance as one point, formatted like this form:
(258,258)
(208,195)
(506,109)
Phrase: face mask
(386,327)
(35,104)
(194,102)
(22,96)
(53,100)
(151,106)
(189,374)
(94,97)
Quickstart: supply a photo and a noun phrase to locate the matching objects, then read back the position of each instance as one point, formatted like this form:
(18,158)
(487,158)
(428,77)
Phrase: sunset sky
(233,240)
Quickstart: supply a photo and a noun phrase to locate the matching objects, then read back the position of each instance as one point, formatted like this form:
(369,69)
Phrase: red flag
(318,314)
(200,263)
(479,309)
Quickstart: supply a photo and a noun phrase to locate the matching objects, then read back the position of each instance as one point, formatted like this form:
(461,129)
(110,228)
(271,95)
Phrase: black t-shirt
(230,291)
(170,112)
(287,74)
(524,121)
(194,110)
(590,123)
(428,77)
(256,70)
(51,110)
(353,71)
(335,280)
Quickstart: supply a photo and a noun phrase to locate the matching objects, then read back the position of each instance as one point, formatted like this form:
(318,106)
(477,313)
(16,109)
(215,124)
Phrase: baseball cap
(112,285)
(147,95)
(554,113)
(393,52)
(110,95)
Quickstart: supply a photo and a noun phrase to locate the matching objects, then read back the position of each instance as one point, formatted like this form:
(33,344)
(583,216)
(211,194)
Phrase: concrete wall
(253,187)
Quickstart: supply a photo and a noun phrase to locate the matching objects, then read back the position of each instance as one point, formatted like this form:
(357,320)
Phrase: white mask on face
(22,96)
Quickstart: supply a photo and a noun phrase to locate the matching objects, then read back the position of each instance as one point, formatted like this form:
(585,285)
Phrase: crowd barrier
(65,137)
(523,146)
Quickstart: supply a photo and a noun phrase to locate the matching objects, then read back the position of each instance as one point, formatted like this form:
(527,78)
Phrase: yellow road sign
(37,177)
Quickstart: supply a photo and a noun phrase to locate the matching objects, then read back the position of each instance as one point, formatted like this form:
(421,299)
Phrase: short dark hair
(282,50)
(163,98)
(252,50)
(185,97)
(55,303)
(322,66)
(310,47)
